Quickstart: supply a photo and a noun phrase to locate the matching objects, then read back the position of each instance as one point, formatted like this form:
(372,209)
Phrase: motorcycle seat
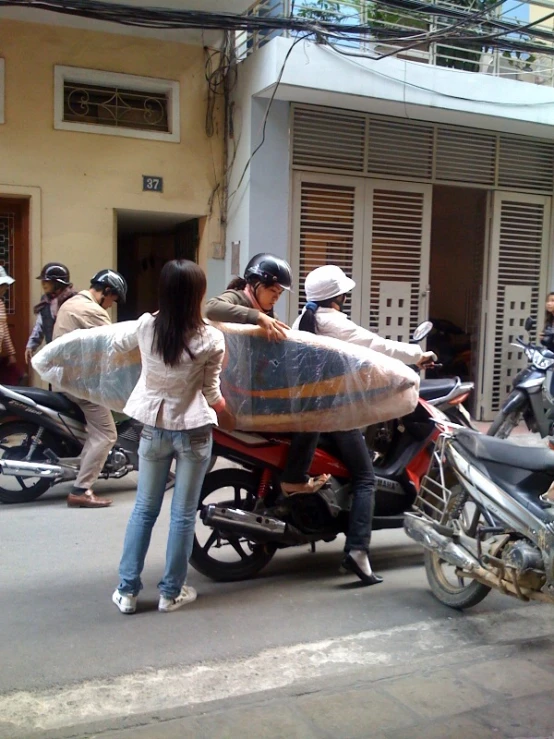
(55,401)
(433,389)
(505,452)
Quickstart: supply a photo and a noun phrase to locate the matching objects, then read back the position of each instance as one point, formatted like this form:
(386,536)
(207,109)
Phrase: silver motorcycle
(480,517)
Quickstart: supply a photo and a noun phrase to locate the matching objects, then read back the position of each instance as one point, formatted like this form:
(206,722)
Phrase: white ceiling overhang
(319,76)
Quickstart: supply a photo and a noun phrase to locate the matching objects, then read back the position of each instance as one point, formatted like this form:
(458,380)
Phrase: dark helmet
(56,273)
(112,279)
(269,270)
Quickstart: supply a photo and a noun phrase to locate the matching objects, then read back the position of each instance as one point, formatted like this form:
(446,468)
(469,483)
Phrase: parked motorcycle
(449,396)
(41,435)
(483,525)
(453,345)
(532,398)
(244,518)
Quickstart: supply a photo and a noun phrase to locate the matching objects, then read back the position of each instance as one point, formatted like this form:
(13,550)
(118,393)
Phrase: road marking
(173,687)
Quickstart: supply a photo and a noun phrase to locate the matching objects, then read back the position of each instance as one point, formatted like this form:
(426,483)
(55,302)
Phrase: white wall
(258,209)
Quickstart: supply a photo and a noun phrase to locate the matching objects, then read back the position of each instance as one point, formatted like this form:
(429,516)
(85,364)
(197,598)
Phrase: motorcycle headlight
(541,362)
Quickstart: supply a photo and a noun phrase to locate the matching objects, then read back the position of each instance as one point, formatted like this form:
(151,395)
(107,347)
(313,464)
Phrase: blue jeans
(192,450)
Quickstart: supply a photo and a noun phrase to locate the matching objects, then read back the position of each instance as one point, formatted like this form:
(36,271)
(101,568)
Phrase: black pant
(301,453)
(353,452)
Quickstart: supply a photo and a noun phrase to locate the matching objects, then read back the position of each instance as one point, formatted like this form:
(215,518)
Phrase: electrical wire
(266,115)
(164,18)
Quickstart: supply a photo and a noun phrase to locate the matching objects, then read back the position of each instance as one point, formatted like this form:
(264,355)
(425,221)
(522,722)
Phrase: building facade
(106,155)
(431,186)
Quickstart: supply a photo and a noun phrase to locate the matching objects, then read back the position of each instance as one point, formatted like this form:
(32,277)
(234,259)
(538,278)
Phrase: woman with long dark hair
(178,399)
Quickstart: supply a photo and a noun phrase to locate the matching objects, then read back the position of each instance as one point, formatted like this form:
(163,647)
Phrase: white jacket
(180,397)
(331,322)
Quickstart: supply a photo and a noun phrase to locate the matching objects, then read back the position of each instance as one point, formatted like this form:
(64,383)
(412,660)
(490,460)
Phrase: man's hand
(28,355)
(274,329)
(12,359)
(427,360)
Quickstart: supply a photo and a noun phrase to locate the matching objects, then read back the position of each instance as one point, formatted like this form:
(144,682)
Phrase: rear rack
(433,500)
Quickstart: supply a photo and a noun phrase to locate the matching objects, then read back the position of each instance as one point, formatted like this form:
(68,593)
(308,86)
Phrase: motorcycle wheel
(504,424)
(448,587)
(221,558)
(15,440)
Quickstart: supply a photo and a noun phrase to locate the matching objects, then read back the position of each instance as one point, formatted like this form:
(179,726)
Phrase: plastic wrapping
(85,364)
(305,383)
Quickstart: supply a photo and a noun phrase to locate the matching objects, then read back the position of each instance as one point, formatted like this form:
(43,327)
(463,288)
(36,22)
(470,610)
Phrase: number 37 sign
(152,184)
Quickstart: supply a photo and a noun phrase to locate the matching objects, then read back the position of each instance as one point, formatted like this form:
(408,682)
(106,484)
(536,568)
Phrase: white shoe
(187,595)
(125,602)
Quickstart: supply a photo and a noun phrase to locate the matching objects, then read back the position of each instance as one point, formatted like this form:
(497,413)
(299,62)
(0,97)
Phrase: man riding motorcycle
(88,309)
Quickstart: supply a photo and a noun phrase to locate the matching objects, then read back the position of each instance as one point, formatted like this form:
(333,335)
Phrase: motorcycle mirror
(422,331)
(530,324)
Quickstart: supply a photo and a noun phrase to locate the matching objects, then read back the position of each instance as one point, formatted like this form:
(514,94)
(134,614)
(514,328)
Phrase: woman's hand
(226,420)
(274,329)
(427,360)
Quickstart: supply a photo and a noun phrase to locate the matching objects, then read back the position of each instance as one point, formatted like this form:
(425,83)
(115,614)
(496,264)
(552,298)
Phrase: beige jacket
(175,398)
(80,311)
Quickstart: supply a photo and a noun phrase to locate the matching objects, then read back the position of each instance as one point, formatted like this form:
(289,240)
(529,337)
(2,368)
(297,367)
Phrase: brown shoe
(87,500)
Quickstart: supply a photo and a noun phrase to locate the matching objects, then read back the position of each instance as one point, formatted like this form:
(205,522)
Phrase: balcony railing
(407,27)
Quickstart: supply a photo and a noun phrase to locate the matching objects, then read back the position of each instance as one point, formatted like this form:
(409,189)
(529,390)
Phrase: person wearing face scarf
(57,288)
(326,290)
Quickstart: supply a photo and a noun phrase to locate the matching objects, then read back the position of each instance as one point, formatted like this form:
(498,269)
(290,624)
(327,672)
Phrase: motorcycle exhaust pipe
(422,531)
(244,523)
(31,469)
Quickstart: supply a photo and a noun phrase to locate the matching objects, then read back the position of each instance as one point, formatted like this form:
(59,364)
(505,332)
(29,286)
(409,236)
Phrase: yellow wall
(83,177)
(536,12)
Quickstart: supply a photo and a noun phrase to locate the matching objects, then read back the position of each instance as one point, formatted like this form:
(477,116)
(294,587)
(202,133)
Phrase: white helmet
(327,282)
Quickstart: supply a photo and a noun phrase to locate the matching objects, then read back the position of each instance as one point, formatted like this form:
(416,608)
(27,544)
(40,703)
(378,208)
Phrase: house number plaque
(150,183)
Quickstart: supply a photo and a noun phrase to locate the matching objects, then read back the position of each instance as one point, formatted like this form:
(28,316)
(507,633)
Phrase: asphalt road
(59,568)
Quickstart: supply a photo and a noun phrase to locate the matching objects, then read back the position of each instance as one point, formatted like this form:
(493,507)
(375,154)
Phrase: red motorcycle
(244,517)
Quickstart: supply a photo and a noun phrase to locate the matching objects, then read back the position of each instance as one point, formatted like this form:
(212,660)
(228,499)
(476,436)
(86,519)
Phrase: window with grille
(116,104)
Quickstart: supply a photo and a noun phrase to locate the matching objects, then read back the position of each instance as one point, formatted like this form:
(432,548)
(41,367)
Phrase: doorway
(14,257)
(145,242)
(458,238)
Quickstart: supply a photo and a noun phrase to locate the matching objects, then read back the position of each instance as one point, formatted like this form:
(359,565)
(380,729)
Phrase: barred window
(116,104)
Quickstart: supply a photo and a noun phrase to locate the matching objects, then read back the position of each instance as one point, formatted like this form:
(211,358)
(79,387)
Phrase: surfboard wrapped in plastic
(304,383)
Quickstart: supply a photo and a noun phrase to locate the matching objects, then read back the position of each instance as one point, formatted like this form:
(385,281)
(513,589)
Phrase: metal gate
(515,287)
(378,233)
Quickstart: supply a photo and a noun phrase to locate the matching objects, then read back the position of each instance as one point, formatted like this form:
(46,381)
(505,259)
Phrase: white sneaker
(125,602)
(187,595)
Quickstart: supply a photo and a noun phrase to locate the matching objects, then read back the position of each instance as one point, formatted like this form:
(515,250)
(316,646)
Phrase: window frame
(116,79)
(2,90)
